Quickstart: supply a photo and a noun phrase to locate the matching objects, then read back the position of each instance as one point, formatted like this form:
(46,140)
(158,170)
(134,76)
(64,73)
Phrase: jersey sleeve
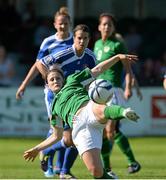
(48,60)
(43,51)
(56,121)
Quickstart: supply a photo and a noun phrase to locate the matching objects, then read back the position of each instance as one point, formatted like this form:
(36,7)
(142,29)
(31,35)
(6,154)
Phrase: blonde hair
(63,11)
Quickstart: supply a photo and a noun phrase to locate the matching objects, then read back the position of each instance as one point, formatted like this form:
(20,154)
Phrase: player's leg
(87,135)
(69,156)
(107,148)
(59,160)
(105,151)
(122,141)
(46,159)
(69,159)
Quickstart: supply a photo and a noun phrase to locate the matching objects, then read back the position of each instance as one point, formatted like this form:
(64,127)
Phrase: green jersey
(105,50)
(67,102)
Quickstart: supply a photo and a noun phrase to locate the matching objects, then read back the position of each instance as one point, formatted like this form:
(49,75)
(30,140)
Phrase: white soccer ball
(100,91)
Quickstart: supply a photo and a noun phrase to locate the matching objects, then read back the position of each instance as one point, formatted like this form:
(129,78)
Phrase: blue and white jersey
(53,45)
(69,61)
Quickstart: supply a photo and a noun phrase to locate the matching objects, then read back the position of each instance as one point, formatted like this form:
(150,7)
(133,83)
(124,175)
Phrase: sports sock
(69,158)
(124,146)
(105,153)
(113,112)
(60,159)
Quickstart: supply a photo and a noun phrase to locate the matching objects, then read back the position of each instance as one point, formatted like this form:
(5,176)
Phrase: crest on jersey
(48,59)
(106,49)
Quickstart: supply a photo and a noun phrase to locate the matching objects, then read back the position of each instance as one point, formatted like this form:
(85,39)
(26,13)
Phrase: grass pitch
(149,151)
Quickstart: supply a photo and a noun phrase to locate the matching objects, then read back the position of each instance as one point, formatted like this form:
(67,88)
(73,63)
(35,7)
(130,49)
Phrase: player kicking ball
(87,118)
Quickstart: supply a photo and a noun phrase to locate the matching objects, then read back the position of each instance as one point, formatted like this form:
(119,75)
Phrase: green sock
(105,153)
(114,112)
(124,146)
(104,176)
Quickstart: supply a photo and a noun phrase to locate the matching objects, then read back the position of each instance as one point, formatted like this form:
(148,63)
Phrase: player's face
(62,24)
(81,40)
(55,81)
(106,26)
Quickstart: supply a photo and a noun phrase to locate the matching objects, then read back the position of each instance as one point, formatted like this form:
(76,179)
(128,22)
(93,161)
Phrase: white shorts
(118,98)
(87,132)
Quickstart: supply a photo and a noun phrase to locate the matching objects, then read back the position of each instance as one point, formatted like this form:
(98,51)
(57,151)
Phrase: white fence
(29,118)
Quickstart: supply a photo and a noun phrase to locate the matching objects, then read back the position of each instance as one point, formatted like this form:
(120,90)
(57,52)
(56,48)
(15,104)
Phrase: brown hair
(55,68)
(82,27)
(63,11)
(111,16)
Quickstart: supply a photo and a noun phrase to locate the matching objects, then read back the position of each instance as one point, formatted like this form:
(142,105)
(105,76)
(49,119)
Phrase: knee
(68,141)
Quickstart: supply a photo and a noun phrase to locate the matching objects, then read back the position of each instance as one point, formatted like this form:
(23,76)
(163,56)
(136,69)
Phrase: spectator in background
(163,63)
(150,73)
(29,14)
(7,71)
(133,39)
(10,24)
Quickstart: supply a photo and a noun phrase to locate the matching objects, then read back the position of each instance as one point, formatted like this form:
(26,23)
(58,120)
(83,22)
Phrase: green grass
(149,151)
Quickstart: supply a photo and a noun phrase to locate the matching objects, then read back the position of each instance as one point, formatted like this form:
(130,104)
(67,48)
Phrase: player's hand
(127,93)
(129,57)
(30,154)
(20,92)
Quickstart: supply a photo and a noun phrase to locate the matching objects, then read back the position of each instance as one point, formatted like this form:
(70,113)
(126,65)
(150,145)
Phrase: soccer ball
(100,91)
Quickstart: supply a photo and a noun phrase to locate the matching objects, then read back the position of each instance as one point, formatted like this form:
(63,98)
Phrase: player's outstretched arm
(103,66)
(30,76)
(31,154)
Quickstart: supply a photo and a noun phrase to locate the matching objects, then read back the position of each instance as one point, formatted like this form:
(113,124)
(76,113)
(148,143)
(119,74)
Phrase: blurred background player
(106,47)
(54,43)
(86,118)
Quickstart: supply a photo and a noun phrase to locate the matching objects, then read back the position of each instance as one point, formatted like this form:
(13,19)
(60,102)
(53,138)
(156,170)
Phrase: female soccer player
(71,59)
(53,44)
(72,105)
(106,47)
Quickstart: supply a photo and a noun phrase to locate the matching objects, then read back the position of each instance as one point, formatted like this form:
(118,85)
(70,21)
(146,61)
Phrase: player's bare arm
(33,72)
(128,79)
(42,69)
(31,154)
(101,67)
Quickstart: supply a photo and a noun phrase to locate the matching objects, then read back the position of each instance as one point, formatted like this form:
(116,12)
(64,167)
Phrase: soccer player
(106,47)
(72,105)
(53,44)
(72,59)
